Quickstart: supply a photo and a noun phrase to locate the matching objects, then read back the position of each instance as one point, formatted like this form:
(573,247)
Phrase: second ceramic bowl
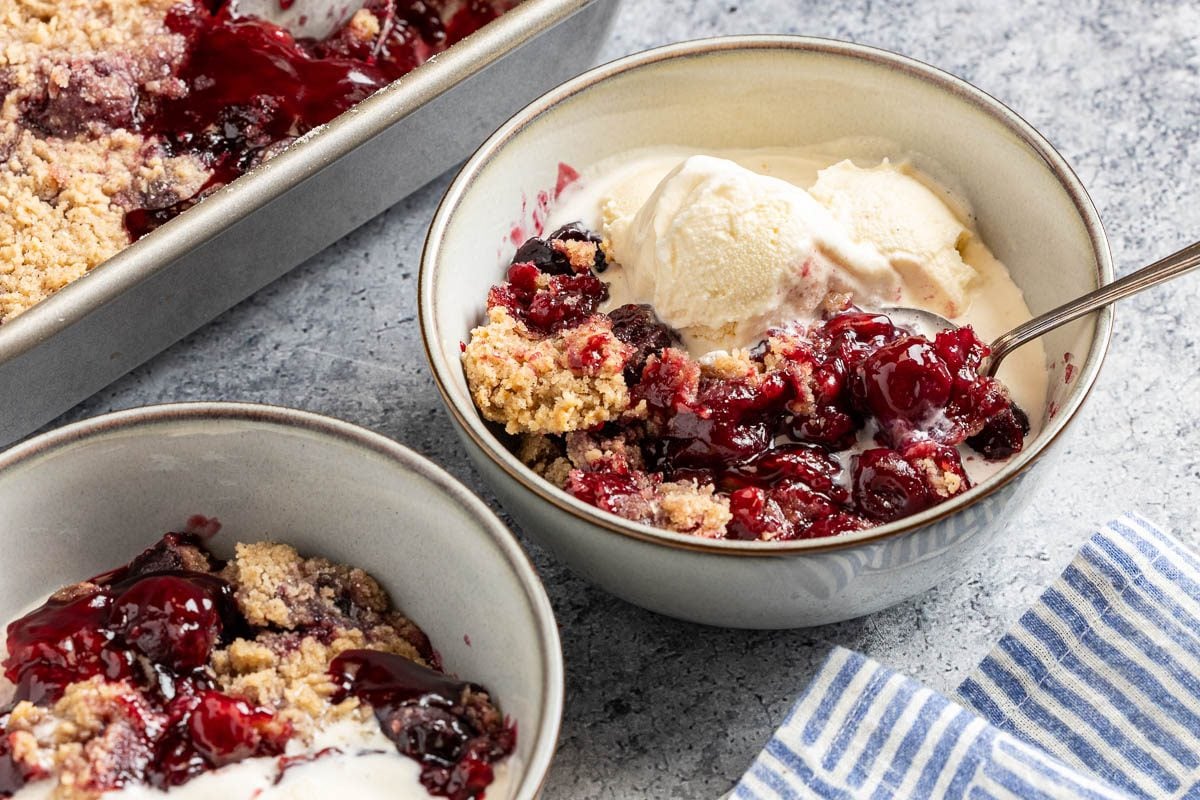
(770,91)
(82,499)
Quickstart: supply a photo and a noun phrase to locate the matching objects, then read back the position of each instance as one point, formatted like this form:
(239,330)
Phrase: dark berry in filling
(886,487)
(904,380)
(12,776)
(1002,435)
(431,718)
(552,260)
(640,328)
(173,620)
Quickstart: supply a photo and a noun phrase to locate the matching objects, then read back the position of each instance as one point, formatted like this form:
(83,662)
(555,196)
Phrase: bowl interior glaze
(772,91)
(90,496)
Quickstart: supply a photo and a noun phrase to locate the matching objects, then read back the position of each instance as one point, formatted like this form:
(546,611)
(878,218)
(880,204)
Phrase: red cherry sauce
(252,85)
(153,625)
(427,715)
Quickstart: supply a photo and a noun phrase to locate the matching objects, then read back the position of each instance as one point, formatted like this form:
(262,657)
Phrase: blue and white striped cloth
(1094,693)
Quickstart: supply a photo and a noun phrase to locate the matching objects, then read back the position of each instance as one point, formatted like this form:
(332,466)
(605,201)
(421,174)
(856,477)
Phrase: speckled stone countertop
(657,708)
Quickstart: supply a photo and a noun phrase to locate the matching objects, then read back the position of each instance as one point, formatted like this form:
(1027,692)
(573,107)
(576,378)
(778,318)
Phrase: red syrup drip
(287,763)
(567,177)
(424,713)
(252,86)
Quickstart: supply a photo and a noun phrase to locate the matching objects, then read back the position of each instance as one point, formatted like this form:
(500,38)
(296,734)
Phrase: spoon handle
(1170,267)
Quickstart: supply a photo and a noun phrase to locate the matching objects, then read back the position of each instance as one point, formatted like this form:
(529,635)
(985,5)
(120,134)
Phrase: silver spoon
(1170,267)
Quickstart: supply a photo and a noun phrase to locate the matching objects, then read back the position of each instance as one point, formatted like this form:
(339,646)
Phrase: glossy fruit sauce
(252,87)
(152,626)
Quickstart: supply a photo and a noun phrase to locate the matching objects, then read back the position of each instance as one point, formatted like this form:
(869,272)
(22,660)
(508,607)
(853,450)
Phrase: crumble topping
(580,254)
(730,366)
(682,506)
(564,382)
(73,73)
(689,507)
(942,481)
(363,25)
(275,586)
(545,456)
(87,734)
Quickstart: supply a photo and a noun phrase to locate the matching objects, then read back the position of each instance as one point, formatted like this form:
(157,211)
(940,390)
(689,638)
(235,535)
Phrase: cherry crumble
(118,115)
(819,430)
(178,664)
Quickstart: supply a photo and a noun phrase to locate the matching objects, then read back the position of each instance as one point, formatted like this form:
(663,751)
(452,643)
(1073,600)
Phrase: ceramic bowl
(767,91)
(92,495)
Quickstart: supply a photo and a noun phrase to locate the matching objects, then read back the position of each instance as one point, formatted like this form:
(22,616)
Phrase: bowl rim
(471,423)
(150,419)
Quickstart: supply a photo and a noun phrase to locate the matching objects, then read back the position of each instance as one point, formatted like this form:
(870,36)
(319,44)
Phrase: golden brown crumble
(589,452)
(729,366)
(93,723)
(276,586)
(364,25)
(529,385)
(545,456)
(581,255)
(292,675)
(688,507)
(944,482)
(70,73)
(780,345)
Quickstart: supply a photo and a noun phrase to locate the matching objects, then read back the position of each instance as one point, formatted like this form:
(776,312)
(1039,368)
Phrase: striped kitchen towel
(1094,693)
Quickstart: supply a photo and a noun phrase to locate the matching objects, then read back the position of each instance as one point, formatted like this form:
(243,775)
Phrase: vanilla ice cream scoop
(716,245)
(909,225)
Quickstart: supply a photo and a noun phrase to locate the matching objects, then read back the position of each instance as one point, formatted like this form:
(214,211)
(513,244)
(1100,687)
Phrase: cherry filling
(639,327)
(845,424)
(548,303)
(147,631)
(251,85)
(431,718)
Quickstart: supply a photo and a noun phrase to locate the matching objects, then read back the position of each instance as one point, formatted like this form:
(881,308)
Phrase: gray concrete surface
(657,708)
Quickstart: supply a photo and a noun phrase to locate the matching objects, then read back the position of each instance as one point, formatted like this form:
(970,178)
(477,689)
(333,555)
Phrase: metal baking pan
(241,238)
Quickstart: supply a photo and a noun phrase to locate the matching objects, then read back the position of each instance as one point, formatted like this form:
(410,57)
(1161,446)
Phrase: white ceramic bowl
(89,496)
(763,91)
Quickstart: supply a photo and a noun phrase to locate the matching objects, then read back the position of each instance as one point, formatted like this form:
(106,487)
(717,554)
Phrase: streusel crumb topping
(554,384)
(72,74)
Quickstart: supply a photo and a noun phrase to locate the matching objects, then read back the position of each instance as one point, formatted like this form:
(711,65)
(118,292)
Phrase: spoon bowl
(928,323)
